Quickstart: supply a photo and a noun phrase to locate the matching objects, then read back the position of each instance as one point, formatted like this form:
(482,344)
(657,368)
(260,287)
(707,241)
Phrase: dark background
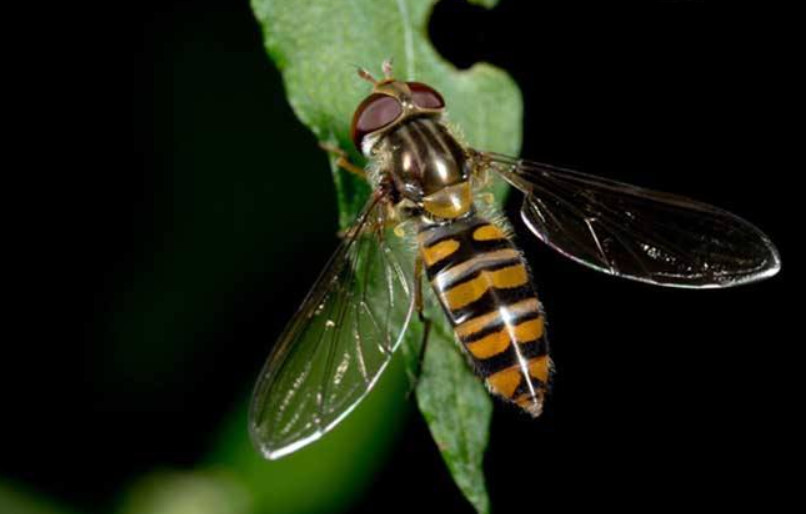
(188,171)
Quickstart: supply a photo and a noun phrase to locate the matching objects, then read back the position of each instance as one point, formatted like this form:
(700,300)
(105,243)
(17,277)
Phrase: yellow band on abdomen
(467,292)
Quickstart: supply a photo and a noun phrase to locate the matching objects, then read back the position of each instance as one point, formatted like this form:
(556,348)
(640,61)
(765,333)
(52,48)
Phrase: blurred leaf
(489,4)
(193,492)
(324,477)
(17,499)
(317,46)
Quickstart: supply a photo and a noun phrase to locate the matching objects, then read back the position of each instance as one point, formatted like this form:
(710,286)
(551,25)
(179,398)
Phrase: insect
(354,318)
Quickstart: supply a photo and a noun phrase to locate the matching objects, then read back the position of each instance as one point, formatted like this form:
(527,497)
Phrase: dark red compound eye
(374,113)
(425,97)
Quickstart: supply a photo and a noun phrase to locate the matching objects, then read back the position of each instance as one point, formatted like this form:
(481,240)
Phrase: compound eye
(374,113)
(425,97)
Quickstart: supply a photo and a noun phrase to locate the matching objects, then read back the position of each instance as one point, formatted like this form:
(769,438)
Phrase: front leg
(343,160)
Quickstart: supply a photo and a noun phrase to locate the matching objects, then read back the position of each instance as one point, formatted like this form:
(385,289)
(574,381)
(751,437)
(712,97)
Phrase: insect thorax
(428,167)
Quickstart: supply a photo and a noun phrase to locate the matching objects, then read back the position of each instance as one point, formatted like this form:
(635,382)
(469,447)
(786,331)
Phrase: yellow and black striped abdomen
(483,284)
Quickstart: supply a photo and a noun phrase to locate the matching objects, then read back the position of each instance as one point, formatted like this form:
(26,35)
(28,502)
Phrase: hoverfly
(343,336)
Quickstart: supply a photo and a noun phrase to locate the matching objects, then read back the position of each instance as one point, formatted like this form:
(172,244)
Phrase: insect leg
(343,160)
(419,306)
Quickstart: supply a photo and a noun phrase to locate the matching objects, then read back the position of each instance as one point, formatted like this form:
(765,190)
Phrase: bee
(339,342)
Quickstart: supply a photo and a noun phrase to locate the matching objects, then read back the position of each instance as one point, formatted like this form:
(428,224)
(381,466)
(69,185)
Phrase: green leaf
(457,408)
(317,46)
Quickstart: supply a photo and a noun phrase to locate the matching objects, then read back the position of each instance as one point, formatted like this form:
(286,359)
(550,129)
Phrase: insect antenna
(364,74)
(387,68)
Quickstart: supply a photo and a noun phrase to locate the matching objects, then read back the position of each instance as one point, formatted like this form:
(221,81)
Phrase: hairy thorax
(428,167)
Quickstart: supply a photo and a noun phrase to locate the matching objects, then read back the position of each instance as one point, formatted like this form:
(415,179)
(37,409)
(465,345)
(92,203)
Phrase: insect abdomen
(483,284)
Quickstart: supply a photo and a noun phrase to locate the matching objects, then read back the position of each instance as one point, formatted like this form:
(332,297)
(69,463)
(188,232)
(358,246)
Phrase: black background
(662,396)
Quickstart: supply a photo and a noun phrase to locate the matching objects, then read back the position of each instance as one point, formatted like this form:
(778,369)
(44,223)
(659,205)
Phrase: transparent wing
(636,233)
(336,346)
